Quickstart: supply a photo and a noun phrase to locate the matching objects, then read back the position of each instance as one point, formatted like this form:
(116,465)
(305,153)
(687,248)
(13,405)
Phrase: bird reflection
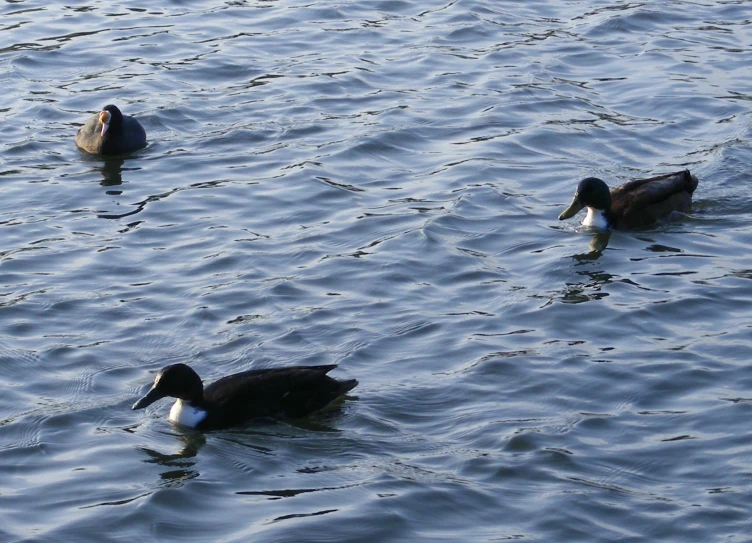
(112,172)
(181,463)
(587,290)
(597,245)
(599,242)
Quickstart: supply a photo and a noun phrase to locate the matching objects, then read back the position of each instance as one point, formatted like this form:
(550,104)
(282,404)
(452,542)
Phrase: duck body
(635,204)
(109,132)
(233,400)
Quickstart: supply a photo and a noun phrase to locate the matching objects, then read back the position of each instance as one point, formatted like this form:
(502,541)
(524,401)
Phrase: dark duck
(635,204)
(291,392)
(109,132)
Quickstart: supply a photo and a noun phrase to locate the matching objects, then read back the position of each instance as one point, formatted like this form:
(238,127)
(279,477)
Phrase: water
(376,184)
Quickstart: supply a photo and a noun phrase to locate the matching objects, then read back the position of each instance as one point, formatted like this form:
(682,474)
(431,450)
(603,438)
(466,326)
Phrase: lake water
(377,185)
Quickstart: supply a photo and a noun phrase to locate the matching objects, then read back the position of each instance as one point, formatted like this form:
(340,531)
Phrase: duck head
(110,117)
(177,381)
(596,196)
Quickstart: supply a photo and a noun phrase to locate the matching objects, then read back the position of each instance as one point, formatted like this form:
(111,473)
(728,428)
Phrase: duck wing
(133,136)
(88,138)
(280,392)
(645,201)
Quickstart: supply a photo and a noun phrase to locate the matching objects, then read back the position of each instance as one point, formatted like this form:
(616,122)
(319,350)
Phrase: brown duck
(635,204)
(109,132)
(291,392)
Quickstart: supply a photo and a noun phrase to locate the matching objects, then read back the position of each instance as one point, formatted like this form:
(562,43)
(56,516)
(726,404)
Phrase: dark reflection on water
(191,444)
(303,515)
(112,171)
(599,243)
(589,290)
(138,207)
(182,470)
(287,493)
(377,185)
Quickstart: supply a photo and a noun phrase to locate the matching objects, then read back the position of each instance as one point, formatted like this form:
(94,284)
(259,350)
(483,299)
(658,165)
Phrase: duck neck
(196,400)
(598,218)
(193,393)
(186,413)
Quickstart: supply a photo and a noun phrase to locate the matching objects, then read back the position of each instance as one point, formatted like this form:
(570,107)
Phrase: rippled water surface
(377,185)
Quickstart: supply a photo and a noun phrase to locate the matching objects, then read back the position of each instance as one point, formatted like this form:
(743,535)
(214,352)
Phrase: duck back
(277,392)
(645,201)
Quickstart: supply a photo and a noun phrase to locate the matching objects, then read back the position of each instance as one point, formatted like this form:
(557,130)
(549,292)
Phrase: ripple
(376,185)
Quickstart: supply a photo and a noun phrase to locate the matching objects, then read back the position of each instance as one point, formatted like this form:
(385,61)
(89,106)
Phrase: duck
(109,132)
(287,393)
(636,204)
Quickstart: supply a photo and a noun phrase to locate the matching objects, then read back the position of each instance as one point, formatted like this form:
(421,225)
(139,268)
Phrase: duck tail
(346,386)
(691,181)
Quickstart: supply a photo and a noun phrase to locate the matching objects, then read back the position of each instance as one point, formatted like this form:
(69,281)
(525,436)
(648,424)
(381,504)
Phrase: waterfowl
(109,132)
(291,392)
(634,204)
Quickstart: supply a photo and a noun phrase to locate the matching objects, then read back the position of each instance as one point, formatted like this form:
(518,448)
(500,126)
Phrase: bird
(635,204)
(109,132)
(288,393)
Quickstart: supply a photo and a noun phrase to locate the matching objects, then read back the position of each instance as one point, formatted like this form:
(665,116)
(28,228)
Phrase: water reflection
(141,205)
(599,242)
(597,245)
(583,291)
(587,290)
(181,463)
(110,168)
(112,172)
(291,492)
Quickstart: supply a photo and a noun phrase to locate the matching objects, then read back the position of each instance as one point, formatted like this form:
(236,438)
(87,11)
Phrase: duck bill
(572,210)
(104,118)
(152,396)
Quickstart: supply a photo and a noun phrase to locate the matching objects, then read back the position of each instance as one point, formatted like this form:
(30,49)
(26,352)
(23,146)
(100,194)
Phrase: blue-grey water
(377,185)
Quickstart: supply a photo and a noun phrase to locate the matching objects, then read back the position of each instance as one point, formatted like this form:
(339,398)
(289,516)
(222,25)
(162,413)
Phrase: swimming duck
(634,204)
(109,132)
(282,392)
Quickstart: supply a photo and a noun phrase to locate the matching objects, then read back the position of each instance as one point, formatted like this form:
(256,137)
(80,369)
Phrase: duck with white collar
(291,392)
(636,204)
